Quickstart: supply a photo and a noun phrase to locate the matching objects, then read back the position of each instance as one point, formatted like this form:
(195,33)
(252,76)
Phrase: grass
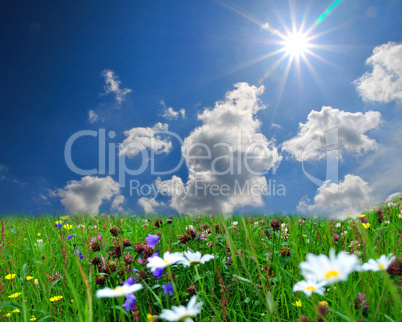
(250,278)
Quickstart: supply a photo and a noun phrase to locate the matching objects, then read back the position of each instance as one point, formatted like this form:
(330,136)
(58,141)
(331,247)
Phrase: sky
(200,107)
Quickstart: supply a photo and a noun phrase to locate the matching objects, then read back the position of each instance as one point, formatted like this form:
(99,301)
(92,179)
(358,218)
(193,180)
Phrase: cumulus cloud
(113,86)
(351,137)
(384,83)
(149,204)
(141,138)
(219,178)
(170,114)
(352,197)
(88,194)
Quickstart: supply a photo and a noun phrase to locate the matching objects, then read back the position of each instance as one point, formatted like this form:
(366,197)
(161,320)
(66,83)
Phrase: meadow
(52,267)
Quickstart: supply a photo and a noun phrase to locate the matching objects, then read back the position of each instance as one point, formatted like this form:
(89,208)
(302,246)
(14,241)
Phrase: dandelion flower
(67,226)
(181,312)
(309,287)
(168,259)
(330,269)
(14,296)
(118,291)
(297,303)
(32,319)
(323,303)
(16,311)
(29,278)
(191,258)
(10,276)
(366,225)
(152,318)
(64,217)
(55,298)
(362,215)
(36,282)
(38,234)
(380,264)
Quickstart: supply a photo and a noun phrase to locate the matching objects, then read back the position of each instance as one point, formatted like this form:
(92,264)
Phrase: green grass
(254,285)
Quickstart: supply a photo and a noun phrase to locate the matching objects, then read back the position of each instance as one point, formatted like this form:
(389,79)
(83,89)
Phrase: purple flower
(79,254)
(135,270)
(168,288)
(69,237)
(152,239)
(130,281)
(158,273)
(59,225)
(130,302)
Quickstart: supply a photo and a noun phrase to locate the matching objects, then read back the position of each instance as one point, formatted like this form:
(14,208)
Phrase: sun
(296,44)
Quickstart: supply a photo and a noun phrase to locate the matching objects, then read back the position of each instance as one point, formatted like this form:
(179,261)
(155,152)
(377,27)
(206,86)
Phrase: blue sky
(56,55)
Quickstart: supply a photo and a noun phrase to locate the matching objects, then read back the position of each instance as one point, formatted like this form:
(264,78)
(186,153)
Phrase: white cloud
(117,201)
(384,83)
(384,166)
(271,29)
(149,204)
(113,86)
(141,138)
(170,114)
(276,125)
(229,131)
(93,117)
(351,133)
(88,194)
(352,197)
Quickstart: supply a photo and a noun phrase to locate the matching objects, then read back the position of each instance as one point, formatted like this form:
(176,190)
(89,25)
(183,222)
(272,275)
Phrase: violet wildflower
(168,288)
(69,237)
(130,302)
(152,239)
(130,281)
(158,273)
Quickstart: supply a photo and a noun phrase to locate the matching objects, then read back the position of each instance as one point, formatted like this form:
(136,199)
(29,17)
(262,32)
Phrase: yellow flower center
(166,261)
(310,288)
(331,274)
(381,266)
(195,262)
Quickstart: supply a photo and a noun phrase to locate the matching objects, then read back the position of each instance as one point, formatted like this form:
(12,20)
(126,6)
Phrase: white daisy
(182,313)
(380,264)
(118,291)
(309,287)
(191,258)
(330,269)
(167,260)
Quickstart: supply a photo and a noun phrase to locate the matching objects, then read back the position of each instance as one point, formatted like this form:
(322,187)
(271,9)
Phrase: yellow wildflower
(32,319)
(362,215)
(8,315)
(64,217)
(38,234)
(366,225)
(68,226)
(14,296)
(16,311)
(10,276)
(323,303)
(297,303)
(29,278)
(55,298)
(36,282)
